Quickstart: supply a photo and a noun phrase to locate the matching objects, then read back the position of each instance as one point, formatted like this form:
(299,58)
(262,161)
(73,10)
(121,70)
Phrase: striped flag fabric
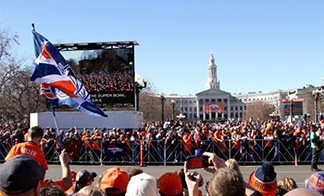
(58,81)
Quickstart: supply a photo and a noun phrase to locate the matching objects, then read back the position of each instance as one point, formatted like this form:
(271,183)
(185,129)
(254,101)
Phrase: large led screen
(107,74)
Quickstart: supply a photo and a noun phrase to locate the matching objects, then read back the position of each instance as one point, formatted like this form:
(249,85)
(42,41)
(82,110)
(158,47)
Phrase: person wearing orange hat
(114,181)
(264,179)
(170,184)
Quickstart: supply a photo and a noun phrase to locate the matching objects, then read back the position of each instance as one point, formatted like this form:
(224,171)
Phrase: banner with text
(106,98)
(213,107)
(296,106)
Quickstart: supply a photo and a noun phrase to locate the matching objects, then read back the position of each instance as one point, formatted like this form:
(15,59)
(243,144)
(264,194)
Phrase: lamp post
(274,116)
(173,104)
(162,98)
(316,93)
(181,117)
(291,101)
(137,88)
(306,117)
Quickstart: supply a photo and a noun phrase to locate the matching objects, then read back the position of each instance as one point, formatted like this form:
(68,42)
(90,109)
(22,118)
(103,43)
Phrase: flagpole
(55,120)
(56,126)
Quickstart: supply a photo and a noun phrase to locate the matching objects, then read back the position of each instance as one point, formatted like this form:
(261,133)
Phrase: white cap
(142,185)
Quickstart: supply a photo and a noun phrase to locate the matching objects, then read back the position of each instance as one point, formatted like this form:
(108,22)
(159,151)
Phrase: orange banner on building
(294,100)
(213,107)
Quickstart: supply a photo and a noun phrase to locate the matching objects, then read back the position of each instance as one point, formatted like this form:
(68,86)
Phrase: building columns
(197,109)
(228,108)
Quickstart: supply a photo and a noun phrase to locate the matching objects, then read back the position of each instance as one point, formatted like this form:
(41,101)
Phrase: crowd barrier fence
(143,152)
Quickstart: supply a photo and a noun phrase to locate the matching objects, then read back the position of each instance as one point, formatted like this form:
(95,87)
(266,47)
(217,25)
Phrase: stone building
(216,104)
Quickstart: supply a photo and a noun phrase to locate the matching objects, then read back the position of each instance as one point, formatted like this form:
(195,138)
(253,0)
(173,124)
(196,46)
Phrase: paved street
(299,173)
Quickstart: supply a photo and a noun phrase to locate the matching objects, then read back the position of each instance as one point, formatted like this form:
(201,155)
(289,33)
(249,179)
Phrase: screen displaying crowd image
(107,74)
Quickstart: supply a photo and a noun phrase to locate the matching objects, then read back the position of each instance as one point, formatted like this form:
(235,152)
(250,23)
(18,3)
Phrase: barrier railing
(162,153)
(4,149)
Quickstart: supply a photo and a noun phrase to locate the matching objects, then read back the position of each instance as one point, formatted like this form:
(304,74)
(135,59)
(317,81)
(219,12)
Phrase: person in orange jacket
(187,143)
(31,147)
(96,140)
(86,139)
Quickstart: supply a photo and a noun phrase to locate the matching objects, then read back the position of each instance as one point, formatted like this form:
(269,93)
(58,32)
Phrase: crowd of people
(107,82)
(249,141)
(24,171)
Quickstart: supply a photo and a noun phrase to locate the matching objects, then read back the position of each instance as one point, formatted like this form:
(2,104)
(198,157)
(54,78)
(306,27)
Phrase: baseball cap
(114,181)
(264,179)
(170,184)
(316,182)
(142,185)
(20,174)
(83,176)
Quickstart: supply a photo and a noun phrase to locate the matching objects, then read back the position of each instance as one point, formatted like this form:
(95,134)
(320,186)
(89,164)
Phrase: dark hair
(79,185)
(134,171)
(51,191)
(36,132)
(280,191)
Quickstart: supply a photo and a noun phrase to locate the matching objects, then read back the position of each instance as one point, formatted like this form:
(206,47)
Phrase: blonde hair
(232,164)
(226,181)
(100,178)
(287,184)
(91,191)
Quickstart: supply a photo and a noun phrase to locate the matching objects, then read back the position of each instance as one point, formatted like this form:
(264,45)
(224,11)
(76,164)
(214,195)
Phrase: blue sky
(257,45)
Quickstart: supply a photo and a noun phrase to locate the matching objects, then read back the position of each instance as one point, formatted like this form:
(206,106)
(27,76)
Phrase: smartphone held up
(194,162)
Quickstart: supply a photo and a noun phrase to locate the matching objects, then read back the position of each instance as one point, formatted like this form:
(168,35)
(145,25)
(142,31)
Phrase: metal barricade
(117,153)
(4,149)
(275,151)
(50,152)
(304,151)
(176,153)
(157,152)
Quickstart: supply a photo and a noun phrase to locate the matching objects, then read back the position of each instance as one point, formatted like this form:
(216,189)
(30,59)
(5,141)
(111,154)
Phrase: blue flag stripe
(50,68)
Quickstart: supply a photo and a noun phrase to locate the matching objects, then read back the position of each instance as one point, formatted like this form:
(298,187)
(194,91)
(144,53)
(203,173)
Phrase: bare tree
(151,106)
(18,96)
(258,110)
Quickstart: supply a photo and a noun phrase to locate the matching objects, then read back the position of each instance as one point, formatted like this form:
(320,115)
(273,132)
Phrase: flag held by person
(57,79)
